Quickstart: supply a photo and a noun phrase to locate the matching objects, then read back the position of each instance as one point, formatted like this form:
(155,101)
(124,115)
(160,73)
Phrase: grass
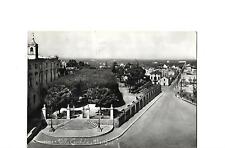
(84,79)
(88,78)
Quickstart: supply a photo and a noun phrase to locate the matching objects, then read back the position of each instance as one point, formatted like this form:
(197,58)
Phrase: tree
(56,96)
(135,74)
(81,64)
(72,63)
(103,97)
(120,72)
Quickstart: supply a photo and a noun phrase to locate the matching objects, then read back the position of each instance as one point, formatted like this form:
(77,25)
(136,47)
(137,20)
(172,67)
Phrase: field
(88,78)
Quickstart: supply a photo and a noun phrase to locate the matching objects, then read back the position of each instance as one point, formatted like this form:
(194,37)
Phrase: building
(41,71)
(164,81)
(148,71)
(186,77)
(155,77)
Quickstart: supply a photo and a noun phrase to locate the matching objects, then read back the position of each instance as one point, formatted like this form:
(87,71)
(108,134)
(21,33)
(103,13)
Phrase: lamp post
(99,118)
(52,128)
(99,113)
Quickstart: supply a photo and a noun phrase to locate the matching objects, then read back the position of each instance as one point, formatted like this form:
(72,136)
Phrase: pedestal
(111,112)
(88,112)
(44,111)
(68,112)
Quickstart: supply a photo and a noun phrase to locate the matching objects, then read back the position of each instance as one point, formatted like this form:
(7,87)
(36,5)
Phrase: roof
(43,59)
(164,66)
(156,72)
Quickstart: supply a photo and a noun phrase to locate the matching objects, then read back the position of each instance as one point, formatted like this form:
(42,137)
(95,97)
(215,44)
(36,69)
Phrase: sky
(116,44)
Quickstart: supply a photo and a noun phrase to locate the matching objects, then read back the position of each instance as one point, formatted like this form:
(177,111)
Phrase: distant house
(165,67)
(148,71)
(122,65)
(165,81)
(188,77)
(71,70)
(124,78)
(155,76)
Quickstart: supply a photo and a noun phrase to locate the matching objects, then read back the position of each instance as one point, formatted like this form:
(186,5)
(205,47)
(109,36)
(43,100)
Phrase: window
(51,74)
(28,103)
(36,77)
(34,97)
(29,66)
(31,49)
(36,66)
(46,76)
(30,80)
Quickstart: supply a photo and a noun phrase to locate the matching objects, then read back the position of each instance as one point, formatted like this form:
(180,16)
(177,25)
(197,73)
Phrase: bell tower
(32,49)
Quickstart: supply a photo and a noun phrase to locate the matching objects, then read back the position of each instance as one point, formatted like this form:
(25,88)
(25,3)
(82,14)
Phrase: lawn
(88,78)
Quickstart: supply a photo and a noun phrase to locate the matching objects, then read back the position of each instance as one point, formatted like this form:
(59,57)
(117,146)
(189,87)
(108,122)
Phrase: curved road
(169,123)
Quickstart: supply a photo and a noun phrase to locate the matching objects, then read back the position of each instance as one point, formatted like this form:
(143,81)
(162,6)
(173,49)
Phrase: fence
(148,95)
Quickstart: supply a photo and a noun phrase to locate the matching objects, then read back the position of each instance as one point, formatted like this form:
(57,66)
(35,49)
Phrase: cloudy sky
(117,44)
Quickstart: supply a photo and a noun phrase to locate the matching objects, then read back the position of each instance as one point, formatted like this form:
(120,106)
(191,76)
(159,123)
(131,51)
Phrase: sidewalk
(115,134)
(188,101)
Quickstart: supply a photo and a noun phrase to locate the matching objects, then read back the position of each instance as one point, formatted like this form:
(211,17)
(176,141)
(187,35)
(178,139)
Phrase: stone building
(41,71)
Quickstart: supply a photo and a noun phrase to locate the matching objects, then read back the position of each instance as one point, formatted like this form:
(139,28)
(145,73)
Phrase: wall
(127,113)
(60,121)
(37,69)
(137,105)
(102,121)
(56,121)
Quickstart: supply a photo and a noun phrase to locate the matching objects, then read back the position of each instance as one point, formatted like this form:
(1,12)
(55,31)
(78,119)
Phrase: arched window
(34,97)
(31,49)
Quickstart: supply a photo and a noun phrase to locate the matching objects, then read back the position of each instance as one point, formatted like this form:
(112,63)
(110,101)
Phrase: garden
(86,86)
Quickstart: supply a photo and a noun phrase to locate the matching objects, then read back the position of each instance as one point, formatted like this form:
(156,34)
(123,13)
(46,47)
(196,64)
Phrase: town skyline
(139,45)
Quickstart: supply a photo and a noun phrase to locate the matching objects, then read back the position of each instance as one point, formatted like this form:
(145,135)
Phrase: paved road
(169,123)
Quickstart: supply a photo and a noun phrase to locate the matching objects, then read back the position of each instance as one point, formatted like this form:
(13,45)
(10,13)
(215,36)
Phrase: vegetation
(88,78)
(86,86)
(56,97)
(104,97)
(135,74)
(75,64)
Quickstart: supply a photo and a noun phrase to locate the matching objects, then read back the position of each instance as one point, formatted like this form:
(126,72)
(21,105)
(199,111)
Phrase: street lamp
(99,118)
(52,128)
(99,113)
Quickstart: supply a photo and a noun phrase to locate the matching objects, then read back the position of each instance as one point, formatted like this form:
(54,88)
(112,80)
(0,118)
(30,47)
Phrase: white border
(18,17)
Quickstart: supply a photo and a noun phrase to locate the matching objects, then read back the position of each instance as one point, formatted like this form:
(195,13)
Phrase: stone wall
(148,95)
(102,121)
(56,121)
(40,73)
(137,105)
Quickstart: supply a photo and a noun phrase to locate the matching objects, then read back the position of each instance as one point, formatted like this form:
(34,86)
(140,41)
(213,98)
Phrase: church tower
(32,49)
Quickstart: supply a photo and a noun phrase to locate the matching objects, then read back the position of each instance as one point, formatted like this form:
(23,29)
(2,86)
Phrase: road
(169,123)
